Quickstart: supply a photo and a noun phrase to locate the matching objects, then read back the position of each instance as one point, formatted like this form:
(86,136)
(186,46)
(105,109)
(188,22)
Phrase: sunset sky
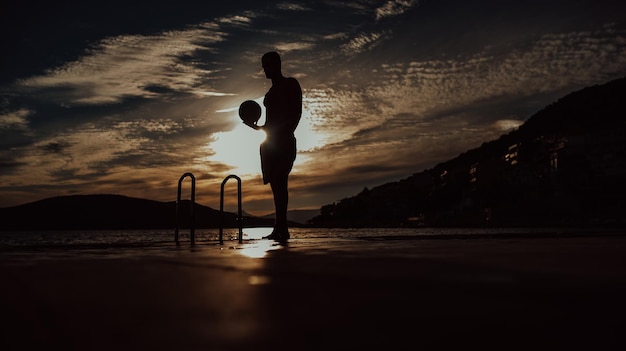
(123,97)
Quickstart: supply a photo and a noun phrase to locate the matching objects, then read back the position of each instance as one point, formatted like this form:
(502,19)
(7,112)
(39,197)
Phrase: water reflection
(259,249)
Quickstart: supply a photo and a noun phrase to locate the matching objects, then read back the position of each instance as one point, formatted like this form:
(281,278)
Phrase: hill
(113,212)
(297,216)
(566,165)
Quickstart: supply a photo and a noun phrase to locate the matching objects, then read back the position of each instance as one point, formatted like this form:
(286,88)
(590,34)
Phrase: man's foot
(278,235)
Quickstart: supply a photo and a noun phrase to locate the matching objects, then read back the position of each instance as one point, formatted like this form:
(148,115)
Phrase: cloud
(15,120)
(129,66)
(143,127)
(362,42)
(394,8)
(293,46)
(551,64)
(237,20)
(55,147)
(285,6)
(335,36)
(213,93)
(97,154)
(506,125)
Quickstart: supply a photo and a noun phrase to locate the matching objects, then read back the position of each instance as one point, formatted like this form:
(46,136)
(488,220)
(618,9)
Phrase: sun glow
(239,147)
(307,136)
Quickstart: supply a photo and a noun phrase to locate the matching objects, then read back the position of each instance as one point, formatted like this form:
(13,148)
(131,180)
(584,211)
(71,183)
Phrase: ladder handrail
(239,212)
(191,211)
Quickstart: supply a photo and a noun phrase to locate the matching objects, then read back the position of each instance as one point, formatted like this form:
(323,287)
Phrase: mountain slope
(112,212)
(297,216)
(565,166)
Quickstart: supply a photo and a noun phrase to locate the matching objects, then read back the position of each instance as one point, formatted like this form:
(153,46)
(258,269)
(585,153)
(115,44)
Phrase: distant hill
(113,212)
(297,216)
(565,166)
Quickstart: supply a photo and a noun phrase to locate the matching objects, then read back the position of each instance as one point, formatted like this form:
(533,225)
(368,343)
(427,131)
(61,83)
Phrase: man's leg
(281,200)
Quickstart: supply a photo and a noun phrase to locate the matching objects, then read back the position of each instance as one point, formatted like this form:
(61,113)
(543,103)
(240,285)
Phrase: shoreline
(169,245)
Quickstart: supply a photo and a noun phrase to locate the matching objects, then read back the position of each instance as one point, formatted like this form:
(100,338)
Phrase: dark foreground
(319,294)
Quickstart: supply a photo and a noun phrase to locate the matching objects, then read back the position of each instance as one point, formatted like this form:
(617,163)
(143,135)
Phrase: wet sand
(321,294)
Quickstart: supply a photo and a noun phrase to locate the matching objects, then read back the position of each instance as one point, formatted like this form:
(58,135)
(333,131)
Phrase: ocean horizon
(149,237)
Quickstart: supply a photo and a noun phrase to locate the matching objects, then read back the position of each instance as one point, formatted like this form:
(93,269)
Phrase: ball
(249,111)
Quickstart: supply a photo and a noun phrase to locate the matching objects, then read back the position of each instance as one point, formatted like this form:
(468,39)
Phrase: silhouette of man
(283,109)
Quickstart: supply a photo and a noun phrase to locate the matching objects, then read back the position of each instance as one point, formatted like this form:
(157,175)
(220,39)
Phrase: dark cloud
(159,89)
(9,166)
(55,147)
(63,175)
(44,35)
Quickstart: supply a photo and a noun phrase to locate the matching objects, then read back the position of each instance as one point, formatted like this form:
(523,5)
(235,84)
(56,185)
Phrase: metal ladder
(239,217)
(193,203)
(192,219)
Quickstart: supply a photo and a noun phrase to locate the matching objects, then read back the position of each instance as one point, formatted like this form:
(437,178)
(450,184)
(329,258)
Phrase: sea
(138,238)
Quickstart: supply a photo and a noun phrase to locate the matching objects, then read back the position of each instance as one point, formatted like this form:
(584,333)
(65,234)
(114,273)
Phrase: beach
(383,293)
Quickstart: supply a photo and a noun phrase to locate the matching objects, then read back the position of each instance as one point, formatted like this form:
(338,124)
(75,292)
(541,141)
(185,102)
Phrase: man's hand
(253,126)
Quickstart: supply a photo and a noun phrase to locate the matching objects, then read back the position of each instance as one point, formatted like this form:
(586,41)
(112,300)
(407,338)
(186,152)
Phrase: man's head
(271,64)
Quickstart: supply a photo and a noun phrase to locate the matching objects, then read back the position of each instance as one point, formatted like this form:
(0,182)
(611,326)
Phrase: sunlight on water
(259,249)
(256,233)
(258,280)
